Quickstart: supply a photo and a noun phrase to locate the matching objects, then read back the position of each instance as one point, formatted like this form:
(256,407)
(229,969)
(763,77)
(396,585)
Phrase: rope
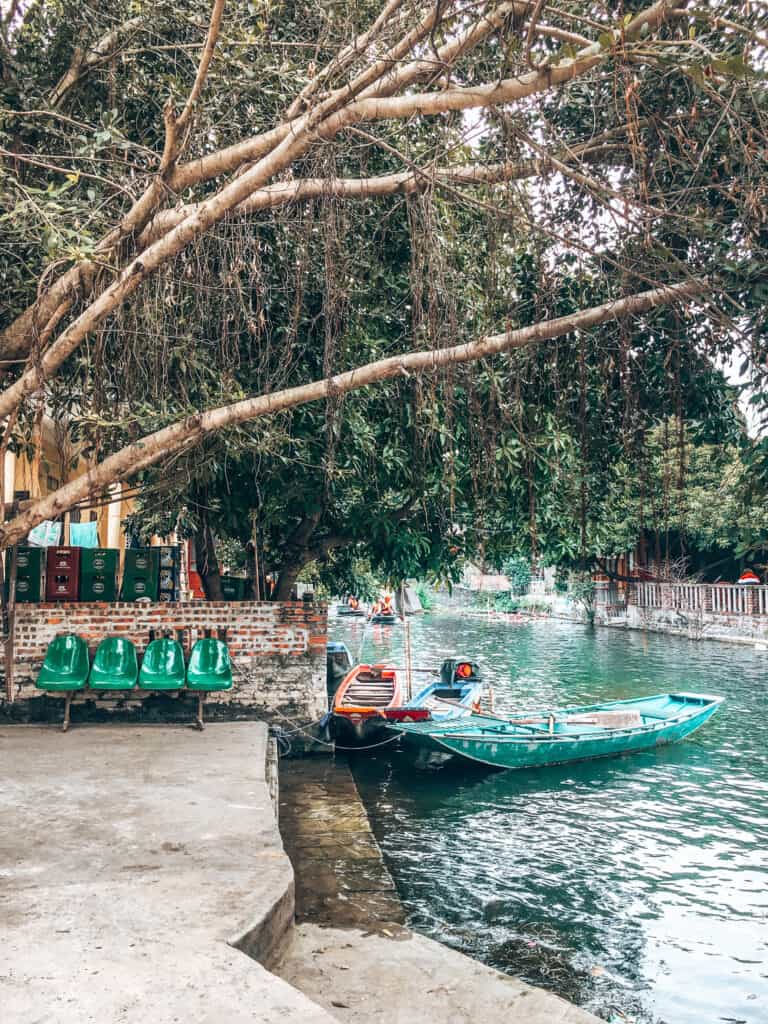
(281,734)
(326,743)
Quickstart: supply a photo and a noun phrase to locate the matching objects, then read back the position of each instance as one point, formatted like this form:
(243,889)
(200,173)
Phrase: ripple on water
(635,885)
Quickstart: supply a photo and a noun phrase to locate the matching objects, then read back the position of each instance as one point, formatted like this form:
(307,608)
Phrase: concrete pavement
(139,865)
(132,861)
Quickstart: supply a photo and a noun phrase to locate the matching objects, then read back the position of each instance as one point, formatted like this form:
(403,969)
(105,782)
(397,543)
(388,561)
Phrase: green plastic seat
(114,666)
(163,666)
(66,665)
(209,666)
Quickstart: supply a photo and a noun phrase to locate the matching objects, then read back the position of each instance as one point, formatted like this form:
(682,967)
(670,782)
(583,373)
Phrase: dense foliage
(559,452)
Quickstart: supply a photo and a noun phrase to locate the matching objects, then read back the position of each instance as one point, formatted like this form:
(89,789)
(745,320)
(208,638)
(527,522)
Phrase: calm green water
(637,887)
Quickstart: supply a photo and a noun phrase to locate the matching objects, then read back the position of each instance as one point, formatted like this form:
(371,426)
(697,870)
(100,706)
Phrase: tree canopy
(423,280)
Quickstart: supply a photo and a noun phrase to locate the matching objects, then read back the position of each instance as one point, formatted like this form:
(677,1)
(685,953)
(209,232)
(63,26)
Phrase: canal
(636,887)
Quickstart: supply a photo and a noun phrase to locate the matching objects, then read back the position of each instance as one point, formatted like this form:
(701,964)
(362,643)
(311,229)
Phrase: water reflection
(635,885)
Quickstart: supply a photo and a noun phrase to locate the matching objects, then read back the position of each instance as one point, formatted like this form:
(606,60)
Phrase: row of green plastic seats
(115,666)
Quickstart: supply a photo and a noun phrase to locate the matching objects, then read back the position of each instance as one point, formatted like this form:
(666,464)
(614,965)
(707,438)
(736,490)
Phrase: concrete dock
(143,881)
(351,952)
(341,877)
(133,861)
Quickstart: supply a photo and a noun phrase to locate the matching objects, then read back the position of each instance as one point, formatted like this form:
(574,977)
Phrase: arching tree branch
(324,122)
(84,60)
(157,446)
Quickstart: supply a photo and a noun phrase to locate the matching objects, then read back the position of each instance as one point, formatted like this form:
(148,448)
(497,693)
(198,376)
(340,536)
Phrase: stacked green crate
(141,574)
(29,574)
(169,573)
(98,574)
(233,588)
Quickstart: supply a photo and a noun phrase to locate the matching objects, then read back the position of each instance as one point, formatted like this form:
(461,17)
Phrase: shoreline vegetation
(743,630)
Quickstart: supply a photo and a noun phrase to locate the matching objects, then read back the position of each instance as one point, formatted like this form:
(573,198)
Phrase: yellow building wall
(20,475)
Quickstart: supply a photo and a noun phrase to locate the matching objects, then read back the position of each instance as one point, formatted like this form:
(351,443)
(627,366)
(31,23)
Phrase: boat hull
(488,745)
(384,620)
(358,730)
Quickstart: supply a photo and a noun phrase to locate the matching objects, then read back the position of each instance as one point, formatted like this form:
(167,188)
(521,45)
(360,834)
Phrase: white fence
(717,598)
(646,595)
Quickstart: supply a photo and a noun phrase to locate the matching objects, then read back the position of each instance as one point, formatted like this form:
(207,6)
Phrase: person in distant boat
(375,609)
(386,605)
(748,577)
(353,603)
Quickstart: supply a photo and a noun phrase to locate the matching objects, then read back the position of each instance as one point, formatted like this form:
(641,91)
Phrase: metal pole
(257,581)
(362,641)
(9,642)
(408,669)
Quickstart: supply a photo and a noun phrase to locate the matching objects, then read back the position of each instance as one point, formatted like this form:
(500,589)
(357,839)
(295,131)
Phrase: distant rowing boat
(571,734)
(346,610)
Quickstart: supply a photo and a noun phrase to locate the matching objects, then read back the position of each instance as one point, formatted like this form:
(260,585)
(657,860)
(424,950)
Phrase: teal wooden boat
(569,734)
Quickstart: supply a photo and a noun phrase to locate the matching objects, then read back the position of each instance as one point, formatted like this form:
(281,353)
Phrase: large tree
(614,153)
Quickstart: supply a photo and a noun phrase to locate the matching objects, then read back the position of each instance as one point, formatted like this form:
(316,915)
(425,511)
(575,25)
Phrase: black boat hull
(358,730)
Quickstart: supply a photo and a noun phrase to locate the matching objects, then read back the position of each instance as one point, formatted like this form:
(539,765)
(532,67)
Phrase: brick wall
(278,652)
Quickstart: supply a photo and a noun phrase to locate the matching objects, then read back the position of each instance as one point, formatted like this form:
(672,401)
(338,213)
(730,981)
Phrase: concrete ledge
(398,977)
(132,861)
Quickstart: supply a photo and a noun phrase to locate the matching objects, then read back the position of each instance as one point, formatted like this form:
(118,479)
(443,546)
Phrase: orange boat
(365,693)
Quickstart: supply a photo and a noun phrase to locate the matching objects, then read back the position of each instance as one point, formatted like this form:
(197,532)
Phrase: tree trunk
(287,578)
(207,563)
(250,571)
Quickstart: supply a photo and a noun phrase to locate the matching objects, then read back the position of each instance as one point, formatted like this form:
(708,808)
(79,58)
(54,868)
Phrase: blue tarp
(84,535)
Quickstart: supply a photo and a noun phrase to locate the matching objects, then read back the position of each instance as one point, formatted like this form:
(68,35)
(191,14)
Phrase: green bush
(518,570)
(582,589)
(425,596)
(562,572)
(505,602)
(539,604)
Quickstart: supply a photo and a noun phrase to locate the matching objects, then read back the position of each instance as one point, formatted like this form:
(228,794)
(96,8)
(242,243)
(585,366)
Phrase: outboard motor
(458,672)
